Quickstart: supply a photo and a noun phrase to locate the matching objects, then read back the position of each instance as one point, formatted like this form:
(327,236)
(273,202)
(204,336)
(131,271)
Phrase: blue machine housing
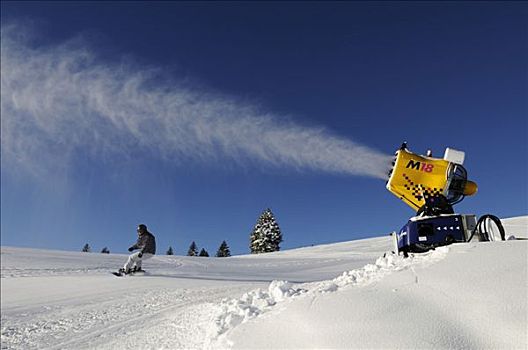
(423,233)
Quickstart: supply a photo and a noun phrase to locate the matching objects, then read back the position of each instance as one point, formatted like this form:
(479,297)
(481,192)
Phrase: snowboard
(131,273)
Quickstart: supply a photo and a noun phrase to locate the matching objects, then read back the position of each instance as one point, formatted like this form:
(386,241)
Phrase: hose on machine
(483,228)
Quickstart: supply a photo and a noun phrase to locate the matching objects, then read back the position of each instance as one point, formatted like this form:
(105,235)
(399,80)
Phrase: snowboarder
(146,244)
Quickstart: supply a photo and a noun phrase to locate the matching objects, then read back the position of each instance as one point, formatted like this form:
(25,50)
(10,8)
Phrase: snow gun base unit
(421,234)
(431,186)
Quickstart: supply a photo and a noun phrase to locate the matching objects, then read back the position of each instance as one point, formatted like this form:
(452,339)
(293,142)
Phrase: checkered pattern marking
(420,191)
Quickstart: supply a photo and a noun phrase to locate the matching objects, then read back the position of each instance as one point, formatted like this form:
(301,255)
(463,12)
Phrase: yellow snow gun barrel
(416,178)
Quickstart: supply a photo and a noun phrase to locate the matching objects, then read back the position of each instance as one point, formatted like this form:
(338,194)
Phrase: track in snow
(134,319)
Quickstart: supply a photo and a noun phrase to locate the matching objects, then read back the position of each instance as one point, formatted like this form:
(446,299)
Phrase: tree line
(88,249)
(222,252)
(265,237)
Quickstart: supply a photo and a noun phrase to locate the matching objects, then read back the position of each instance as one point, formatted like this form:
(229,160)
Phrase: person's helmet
(142,228)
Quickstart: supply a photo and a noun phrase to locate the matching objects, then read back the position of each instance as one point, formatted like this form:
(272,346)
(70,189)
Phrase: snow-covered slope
(463,297)
(344,295)
(516,226)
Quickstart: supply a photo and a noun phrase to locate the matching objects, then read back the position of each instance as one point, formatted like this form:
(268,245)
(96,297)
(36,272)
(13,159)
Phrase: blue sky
(115,114)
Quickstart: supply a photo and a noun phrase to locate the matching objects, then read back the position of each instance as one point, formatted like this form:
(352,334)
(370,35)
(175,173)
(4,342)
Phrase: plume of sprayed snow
(61,99)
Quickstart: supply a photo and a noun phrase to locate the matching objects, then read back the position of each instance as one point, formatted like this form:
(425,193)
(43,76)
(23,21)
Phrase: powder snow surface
(346,295)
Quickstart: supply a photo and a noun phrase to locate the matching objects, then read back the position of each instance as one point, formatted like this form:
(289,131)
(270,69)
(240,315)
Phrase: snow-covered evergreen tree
(87,248)
(105,251)
(170,251)
(193,250)
(223,250)
(266,235)
(204,252)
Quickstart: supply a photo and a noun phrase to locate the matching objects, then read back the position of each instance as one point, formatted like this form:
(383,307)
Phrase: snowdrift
(345,295)
(471,296)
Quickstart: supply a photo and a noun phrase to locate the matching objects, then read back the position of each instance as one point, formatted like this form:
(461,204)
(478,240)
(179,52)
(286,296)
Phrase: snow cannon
(424,182)
(431,186)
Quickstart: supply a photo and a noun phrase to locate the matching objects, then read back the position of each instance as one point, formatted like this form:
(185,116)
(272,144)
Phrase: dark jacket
(146,242)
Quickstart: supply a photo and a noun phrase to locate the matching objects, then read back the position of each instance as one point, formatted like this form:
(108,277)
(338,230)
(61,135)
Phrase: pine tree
(266,235)
(204,252)
(193,250)
(87,248)
(105,251)
(223,250)
(170,251)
